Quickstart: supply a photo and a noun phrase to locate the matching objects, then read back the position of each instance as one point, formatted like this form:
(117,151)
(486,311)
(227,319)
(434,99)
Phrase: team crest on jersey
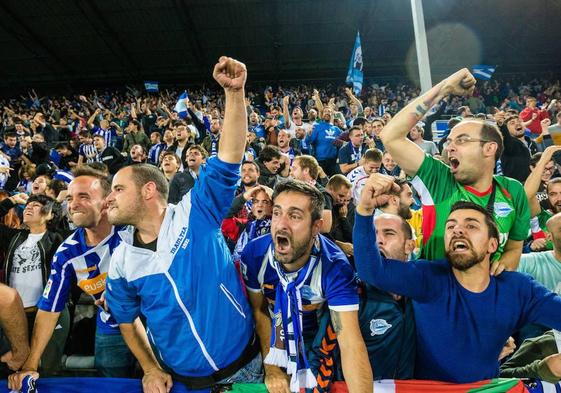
(308,293)
(379,327)
(502,209)
(47,289)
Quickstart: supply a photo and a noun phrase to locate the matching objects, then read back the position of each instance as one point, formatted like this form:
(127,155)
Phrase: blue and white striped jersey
(88,266)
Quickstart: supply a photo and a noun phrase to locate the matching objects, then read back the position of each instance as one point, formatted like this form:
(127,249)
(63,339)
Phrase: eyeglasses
(463,139)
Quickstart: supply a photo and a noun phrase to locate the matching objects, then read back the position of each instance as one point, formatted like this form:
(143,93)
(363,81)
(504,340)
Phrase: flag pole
(421,45)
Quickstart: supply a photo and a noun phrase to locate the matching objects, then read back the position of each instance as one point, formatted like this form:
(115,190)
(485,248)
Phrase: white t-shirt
(26,274)
(292,129)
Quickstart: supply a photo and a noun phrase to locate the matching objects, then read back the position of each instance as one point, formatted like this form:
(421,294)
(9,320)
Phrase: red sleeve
(526,114)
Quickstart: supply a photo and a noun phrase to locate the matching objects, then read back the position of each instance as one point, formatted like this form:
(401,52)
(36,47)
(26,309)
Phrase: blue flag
(355,75)
(151,86)
(484,72)
(181,105)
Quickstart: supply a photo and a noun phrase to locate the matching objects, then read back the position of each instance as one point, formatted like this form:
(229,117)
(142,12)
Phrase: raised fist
(461,83)
(230,74)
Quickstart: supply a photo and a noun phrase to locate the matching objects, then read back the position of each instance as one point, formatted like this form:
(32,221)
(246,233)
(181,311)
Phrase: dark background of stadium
(64,45)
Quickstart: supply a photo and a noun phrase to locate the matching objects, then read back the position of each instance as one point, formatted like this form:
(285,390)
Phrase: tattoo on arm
(336,321)
(420,110)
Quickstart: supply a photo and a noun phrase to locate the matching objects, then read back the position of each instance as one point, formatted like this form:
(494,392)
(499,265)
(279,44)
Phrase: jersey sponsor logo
(502,209)
(379,327)
(87,270)
(47,289)
(94,285)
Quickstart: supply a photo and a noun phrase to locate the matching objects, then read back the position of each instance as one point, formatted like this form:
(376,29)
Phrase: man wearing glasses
(473,148)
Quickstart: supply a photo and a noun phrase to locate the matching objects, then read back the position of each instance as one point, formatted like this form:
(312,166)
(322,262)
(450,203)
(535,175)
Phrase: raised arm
(532,184)
(231,75)
(92,118)
(405,152)
(408,279)
(285,112)
(354,100)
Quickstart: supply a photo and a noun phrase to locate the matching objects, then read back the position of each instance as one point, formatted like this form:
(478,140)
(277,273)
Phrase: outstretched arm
(406,153)
(231,75)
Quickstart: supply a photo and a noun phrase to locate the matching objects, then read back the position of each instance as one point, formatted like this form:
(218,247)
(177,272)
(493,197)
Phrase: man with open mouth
(464,313)
(293,276)
(473,147)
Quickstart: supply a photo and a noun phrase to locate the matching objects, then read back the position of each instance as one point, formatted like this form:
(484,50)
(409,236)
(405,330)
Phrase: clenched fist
(230,74)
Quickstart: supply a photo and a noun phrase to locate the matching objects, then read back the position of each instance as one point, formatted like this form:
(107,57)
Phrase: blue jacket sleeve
(411,279)
(213,193)
(122,300)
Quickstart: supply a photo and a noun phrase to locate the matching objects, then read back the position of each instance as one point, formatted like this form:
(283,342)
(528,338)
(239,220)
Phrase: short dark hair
(57,186)
(62,145)
(373,155)
(145,173)
(252,163)
(136,123)
(490,132)
(354,128)
(88,170)
(359,121)
(316,197)
(50,206)
(269,153)
(492,227)
(10,134)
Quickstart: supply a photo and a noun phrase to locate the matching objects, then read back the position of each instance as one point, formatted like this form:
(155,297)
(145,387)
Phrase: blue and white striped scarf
(287,323)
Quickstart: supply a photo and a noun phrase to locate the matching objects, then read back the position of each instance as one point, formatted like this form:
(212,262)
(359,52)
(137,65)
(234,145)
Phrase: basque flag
(181,105)
(151,86)
(355,75)
(484,72)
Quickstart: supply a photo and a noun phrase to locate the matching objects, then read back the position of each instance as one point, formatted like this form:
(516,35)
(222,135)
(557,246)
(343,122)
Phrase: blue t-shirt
(321,139)
(13,152)
(258,130)
(332,280)
(460,334)
(349,154)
